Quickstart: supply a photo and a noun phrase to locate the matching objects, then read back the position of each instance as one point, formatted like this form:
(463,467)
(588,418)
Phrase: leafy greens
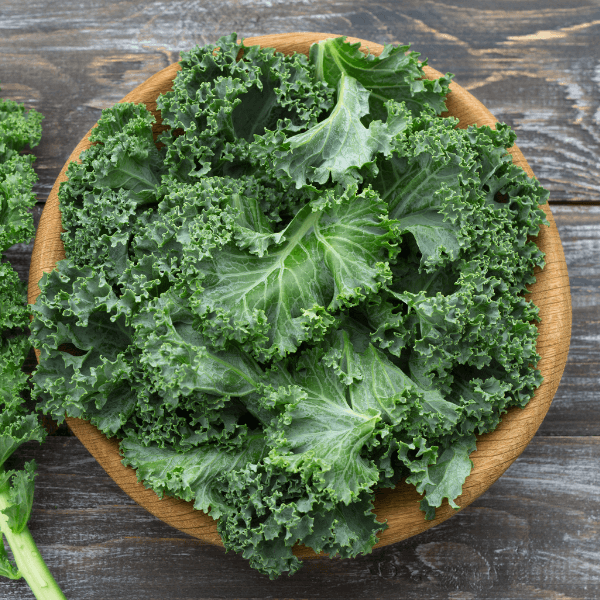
(18,128)
(308,287)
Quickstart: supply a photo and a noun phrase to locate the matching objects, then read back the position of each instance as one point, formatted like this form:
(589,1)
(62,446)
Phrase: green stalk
(29,561)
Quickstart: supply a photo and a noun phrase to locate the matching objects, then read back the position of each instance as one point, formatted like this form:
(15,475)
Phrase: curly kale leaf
(195,475)
(428,169)
(395,74)
(220,104)
(182,423)
(319,435)
(93,379)
(16,198)
(13,309)
(445,478)
(19,127)
(179,360)
(193,221)
(330,255)
(278,509)
(17,424)
(339,146)
(20,501)
(17,427)
(100,202)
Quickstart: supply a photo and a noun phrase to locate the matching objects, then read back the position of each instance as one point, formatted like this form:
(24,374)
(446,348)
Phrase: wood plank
(575,409)
(98,544)
(531,64)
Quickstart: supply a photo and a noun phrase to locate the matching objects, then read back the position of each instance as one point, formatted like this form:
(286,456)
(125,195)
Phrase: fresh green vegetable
(310,288)
(18,128)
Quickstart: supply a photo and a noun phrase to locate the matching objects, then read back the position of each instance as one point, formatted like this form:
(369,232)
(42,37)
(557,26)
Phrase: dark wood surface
(536,66)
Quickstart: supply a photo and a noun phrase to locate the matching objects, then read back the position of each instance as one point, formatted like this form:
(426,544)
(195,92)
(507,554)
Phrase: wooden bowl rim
(400,507)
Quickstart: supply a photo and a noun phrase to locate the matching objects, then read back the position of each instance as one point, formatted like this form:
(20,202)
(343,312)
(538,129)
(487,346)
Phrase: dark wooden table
(535,65)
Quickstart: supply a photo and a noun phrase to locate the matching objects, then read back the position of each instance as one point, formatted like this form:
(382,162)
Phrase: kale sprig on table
(310,286)
(18,425)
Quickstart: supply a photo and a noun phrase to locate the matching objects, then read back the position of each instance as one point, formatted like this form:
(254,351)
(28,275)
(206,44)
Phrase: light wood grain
(399,507)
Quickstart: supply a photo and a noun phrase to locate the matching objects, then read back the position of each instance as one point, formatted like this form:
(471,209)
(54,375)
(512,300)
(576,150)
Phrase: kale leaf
(18,128)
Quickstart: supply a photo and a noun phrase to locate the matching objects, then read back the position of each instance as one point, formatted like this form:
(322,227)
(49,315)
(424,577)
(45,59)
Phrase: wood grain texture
(534,64)
(576,409)
(399,507)
(517,541)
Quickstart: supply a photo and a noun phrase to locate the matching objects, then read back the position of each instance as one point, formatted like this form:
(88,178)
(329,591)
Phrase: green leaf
(394,75)
(78,308)
(252,228)
(18,128)
(435,237)
(134,119)
(320,436)
(16,200)
(340,145)
(193,475)
(17,424)
(179,360)
(446,477)
(272,510)
(220,104)
(402,403)
(7,569)
(127,163)
(427,172)
(329,256)
(341,356)
(182,423)
(383,388)
(16,428)
(20,496)
(345,530)
(15,507)
(124,158)
(99,231)
(13,379)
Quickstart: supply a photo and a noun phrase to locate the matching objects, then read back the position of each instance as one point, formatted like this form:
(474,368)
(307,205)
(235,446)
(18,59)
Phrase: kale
(310,288)
(18,425)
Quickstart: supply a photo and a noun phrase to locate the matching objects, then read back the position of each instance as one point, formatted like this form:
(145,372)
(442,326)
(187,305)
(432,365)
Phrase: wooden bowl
(400,507)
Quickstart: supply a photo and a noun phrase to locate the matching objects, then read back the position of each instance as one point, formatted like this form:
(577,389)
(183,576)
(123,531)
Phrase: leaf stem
(28,558)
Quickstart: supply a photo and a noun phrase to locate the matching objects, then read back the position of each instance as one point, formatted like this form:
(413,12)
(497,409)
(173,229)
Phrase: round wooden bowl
(399,507)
